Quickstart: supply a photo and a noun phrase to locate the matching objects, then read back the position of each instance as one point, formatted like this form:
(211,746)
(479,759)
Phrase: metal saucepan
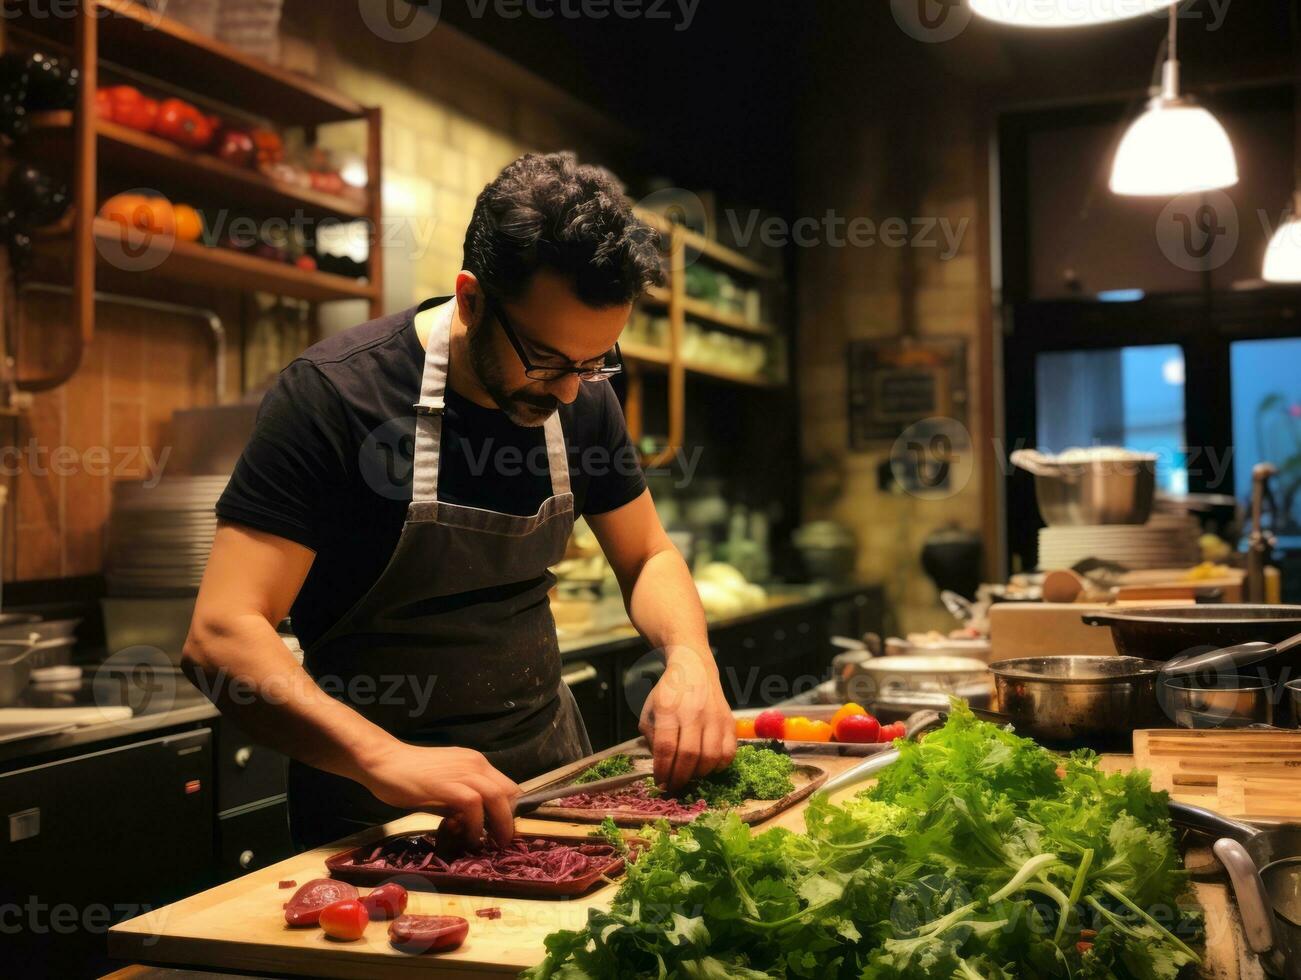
(1264,871)
(1094,701)
(1232,686)
(1097,487)
(1163,633)
(1293,689)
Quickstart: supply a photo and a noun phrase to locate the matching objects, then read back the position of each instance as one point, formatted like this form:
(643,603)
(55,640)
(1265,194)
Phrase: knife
(531,801)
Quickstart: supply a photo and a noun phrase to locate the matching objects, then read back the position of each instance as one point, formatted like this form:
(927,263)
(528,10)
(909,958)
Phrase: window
(1266,382)
(1122,396)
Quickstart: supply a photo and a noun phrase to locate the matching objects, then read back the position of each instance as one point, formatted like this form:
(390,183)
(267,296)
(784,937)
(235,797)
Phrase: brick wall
(904,155)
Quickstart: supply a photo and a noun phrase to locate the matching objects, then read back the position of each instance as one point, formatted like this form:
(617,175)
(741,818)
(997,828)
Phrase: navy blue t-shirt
(329,462)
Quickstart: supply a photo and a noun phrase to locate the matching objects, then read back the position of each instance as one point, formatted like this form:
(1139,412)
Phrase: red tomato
(345,920)
(770,724)
(888,733)
(386,902)
(236,147)
(182,123)
(857,728)
(128,107)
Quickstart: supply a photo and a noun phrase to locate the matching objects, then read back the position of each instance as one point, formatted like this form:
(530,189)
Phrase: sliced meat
(304,908)
(427,933)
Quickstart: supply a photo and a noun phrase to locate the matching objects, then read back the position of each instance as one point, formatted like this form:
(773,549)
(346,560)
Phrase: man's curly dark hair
(548,211)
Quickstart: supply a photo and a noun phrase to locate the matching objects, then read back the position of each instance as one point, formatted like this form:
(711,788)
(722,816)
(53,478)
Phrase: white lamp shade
(1283,254)
(1173,148)
(1064,13)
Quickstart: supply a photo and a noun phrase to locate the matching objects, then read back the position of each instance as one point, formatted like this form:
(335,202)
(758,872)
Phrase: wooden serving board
(239,926)
(1251,774)
(806,777)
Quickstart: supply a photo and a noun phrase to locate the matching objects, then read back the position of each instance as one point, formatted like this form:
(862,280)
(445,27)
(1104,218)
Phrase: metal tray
(432,880)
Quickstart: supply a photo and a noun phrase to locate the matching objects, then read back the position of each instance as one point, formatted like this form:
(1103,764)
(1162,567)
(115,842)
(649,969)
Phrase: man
(419,591)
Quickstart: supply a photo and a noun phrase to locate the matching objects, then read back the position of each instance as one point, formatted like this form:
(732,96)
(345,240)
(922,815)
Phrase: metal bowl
(1100,491)
(1077,699)
(1225,701)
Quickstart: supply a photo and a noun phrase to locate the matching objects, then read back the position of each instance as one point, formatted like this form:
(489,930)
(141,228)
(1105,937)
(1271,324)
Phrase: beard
(521,407)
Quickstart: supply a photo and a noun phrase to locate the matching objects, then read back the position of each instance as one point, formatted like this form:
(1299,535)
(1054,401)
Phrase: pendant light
(1063,13)
(1175,147)
(1283,254)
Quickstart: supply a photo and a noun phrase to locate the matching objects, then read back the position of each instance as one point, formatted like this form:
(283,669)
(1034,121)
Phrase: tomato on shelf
(857,728)
(182,123)
(745,728)
(126,106)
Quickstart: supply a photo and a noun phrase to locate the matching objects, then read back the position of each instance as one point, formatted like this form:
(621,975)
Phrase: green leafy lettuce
(978,854)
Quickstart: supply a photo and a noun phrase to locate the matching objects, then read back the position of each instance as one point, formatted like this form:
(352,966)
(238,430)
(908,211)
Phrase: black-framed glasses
(601,369)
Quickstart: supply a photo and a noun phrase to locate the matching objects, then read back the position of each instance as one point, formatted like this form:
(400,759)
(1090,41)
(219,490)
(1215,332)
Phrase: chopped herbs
(614,765)
(971,857)
(609,831)
(755,774)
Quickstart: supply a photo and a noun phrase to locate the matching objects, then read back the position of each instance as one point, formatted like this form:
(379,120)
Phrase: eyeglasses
(601,369)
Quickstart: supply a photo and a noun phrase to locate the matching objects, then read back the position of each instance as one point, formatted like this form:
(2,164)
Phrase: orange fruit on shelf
(745,728)
(798,728)
(188,222)
(142,212)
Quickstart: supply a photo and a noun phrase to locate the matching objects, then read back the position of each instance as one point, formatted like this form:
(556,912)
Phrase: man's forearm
(244,668)
(665,608)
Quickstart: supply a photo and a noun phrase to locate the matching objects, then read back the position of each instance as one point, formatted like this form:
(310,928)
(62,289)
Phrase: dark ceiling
(720,96)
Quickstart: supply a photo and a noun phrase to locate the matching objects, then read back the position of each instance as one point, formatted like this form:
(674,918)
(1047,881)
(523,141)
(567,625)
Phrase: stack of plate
(159,536)
(1165,541)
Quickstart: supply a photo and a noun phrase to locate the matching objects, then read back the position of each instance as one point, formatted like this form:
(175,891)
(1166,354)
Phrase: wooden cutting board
(1243,773)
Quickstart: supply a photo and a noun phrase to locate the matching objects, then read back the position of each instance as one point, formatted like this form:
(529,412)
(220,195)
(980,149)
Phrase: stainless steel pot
(1226,701)
(1293,690)
(1102,489)
(1095,701)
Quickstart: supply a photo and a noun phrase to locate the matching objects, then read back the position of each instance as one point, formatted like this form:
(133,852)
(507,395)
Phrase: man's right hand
(460,784)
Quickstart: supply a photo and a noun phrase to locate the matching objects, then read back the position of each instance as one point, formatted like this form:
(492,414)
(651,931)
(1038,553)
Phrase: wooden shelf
(732,377)
(645,354)
(219,267)
(701,310)
(151,156)
(144,40)
(693,241)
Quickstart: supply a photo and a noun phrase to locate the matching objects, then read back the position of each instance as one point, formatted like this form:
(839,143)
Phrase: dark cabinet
(253,838)
(246,772)
(92,839)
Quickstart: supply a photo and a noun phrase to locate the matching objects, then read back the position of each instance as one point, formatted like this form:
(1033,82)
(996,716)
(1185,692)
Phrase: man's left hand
(687,720)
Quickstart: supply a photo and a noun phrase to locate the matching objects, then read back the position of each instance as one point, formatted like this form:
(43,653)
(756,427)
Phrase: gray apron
(454,644)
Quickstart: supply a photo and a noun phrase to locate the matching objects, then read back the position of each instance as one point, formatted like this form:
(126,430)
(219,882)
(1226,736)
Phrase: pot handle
(1253,901)
(1210,823)
(1099,619)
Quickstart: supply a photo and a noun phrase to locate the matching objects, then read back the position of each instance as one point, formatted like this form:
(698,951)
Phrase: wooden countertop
(238,926)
